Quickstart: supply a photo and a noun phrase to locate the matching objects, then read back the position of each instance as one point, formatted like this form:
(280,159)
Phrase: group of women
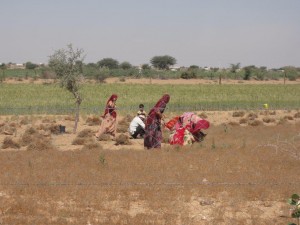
(185,129)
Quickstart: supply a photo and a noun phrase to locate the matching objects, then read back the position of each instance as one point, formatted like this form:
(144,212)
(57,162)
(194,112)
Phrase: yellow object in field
(266,106)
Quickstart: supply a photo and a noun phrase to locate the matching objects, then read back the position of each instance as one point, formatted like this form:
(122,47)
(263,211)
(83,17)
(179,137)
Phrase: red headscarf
(200,125)
(160,105)
(109,109)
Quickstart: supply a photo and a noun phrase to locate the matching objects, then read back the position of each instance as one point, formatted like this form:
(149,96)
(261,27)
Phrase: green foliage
(234,67)
(109,63)
(125,65)
(291,73)
(102,159)
(30,65)
(68,66)
(3,66)
(51,99)
(248,72)
(102,74)
(294,201)
(146,67)
(188,74)
(194,67)
(163,62)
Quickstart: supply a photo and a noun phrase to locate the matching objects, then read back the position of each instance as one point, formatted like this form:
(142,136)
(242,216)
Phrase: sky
(213,33)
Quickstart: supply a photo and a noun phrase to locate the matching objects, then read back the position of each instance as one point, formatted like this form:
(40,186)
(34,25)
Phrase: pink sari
(186,130)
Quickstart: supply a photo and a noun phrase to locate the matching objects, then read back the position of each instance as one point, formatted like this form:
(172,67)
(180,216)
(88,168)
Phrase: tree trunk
(220,79)
(284,77)
(76,116)
(78,102)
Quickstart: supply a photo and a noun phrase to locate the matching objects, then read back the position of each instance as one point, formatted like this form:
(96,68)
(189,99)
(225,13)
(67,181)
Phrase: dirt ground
(242,173)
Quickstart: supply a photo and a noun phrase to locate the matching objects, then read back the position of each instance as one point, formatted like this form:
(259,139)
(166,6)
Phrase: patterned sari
(153,133)
(187,129)
(109,121)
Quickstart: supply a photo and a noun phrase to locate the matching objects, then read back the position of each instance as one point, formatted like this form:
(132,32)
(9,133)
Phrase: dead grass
(51,128)
(243,121)
(288,117)
(122,139)
(85,133)
(268,120)
(252,116)
(233,123)
(105,137)
(123,124)
(255,122)
(35,141)
(93,121)
(238,175)
(40,143)
(297,115)
(238,114)
(203,115)
(8,142)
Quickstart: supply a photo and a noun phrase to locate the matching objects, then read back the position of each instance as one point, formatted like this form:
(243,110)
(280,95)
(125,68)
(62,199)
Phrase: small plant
(102,159)
(213,145)
(295,213)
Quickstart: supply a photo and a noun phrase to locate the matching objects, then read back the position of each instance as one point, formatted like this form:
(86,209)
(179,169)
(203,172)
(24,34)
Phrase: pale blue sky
(196,32)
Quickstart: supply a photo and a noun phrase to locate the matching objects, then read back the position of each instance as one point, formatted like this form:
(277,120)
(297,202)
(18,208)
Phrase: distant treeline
(96,72)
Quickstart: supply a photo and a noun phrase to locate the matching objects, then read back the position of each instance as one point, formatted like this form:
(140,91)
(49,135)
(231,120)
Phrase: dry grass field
(243,172)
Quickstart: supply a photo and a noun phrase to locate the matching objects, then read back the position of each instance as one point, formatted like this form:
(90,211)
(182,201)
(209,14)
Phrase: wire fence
(145,184)
(62,110)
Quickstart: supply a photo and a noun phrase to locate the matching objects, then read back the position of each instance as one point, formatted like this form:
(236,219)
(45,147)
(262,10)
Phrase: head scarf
(200,125)
(160,105)
(108,109)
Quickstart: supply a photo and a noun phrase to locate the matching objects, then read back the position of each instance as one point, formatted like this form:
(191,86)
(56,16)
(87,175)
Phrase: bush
(188,75)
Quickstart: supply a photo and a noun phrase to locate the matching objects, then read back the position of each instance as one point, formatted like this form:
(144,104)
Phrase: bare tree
(67,64)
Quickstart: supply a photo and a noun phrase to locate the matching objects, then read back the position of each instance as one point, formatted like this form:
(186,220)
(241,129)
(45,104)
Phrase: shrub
(188,75)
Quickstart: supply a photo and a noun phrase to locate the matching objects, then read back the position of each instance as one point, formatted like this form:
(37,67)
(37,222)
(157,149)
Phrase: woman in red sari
(187,129)
(153,133)
(109,121)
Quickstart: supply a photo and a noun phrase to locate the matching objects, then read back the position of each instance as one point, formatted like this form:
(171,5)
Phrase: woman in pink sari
(109,121)
(153,133)
(188,129)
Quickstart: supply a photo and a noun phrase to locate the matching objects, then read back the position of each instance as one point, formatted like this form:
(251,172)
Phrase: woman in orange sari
(109,121)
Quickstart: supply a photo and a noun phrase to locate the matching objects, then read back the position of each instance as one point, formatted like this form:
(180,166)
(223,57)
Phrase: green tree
(125,65)
(146,66)
(194,67)
(67,64)
(235,67)
(3,67)
(163,62)
(30,66)
(248,72)
(109,63)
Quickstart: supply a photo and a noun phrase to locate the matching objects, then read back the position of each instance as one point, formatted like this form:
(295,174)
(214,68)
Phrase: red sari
(187,129)
(153,133)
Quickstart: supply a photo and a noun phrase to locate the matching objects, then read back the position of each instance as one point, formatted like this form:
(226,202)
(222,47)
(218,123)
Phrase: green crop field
(51,99)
